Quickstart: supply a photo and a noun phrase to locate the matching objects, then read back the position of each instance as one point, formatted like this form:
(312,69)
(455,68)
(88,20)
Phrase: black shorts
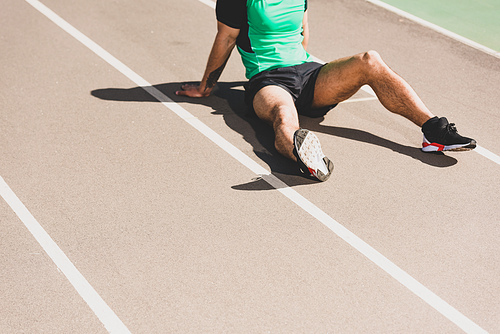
(298,80)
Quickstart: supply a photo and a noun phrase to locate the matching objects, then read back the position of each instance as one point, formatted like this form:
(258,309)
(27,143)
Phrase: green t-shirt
(270,32)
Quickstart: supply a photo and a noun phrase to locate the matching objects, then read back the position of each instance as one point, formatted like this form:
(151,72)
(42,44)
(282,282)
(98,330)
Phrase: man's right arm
(223,45)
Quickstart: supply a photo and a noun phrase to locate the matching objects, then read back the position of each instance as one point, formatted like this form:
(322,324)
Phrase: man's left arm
(305,31)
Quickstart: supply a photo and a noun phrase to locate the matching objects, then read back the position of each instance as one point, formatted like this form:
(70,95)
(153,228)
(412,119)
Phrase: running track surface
(161,223)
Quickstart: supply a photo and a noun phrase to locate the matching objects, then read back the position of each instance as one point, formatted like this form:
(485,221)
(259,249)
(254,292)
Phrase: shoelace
(451,127)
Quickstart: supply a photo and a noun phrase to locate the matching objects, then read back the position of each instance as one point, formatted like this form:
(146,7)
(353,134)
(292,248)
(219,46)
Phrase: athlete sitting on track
(271,37)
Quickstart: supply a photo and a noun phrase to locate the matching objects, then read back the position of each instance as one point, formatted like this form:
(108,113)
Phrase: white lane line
(209,3)
(487,154)
(392,269)
(436,28)
(361,99)
(105,314)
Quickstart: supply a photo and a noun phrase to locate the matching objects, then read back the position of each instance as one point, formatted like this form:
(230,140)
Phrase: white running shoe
(310,157)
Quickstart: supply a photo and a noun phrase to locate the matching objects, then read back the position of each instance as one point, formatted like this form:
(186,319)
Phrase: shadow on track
(227,100)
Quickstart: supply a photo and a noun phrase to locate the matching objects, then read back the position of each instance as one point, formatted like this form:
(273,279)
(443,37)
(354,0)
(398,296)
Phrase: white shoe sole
(428,146)
(309,151)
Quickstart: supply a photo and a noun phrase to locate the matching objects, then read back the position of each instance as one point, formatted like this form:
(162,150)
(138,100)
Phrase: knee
(284,116)
(371,58)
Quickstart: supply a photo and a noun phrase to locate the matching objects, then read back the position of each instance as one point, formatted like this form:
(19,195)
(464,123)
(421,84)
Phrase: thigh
(338,80)
(272,102)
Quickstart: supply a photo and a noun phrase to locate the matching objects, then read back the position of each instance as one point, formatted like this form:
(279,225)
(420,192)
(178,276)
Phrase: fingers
(189,87)
(182,93)
(190,90)
(184,90)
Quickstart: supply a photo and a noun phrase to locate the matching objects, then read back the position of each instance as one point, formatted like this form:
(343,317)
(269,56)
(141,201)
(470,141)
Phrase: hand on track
(192,91)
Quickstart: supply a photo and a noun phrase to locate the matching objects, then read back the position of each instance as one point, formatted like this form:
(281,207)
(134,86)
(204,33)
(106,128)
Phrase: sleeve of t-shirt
(231,12)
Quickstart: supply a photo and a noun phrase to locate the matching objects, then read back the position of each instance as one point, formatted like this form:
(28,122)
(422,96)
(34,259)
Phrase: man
(271,37)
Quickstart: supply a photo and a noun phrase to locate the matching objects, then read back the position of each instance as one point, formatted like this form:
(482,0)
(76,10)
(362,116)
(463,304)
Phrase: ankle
(430,124)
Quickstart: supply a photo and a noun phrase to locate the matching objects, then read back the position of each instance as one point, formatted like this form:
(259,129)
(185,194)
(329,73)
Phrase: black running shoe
(310,157)
(439,135)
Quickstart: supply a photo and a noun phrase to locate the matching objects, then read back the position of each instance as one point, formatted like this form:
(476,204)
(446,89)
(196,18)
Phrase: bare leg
(275,106)
(340,79)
